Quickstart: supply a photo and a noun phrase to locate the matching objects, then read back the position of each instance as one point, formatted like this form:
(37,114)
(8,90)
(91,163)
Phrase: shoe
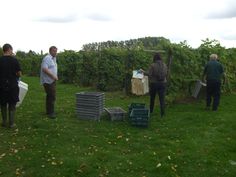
(52,116)
(208,108)
(12,126)
(4,125)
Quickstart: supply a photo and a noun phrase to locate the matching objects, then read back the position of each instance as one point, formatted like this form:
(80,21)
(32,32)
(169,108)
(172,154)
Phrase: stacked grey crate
(89,105)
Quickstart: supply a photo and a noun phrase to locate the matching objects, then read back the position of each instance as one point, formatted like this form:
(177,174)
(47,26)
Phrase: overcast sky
(68,24)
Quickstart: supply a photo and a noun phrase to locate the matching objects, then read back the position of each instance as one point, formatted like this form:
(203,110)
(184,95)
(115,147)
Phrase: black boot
(162,112)
(11,110)
(4,115)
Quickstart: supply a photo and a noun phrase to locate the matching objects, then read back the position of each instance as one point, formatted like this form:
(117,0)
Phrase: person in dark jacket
(213,72)
(10,72)
(157,74)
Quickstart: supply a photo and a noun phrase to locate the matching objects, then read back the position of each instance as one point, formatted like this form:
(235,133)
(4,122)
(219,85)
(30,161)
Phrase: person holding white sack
(10,72)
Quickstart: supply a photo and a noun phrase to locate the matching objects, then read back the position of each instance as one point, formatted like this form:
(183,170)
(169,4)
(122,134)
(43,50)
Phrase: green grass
(188,142)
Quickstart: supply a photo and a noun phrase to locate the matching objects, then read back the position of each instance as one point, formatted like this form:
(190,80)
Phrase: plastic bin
(136,106)
(139,117)
(23,89)
(116,113)
(197,88)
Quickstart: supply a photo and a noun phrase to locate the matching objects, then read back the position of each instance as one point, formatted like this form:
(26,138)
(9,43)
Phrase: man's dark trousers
(213,90)
(50,90)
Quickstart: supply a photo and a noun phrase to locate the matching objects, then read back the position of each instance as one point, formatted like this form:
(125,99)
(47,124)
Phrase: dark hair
(157,57)
(6,47)
(52,47)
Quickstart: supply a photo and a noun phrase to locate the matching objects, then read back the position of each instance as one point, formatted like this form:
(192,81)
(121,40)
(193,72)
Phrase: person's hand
(55,78)
(224,81)
(141,70)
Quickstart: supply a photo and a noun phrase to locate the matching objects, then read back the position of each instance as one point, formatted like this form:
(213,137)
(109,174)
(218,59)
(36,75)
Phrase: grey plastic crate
(116,113)
(89,105)
(199,84)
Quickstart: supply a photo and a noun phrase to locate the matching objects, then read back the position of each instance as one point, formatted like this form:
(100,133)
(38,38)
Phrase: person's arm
(204,74)
(18,69)
(148,72)
(46,71)
(224,78)
(223,74)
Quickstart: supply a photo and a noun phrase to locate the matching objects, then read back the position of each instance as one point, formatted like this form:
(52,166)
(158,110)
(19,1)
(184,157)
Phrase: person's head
(53,51)
(213,57)
(7,49)
(157,57)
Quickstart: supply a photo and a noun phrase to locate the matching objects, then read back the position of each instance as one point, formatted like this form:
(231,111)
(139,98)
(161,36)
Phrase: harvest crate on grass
(116,113)
(90,105)
(139,117)
(136,105)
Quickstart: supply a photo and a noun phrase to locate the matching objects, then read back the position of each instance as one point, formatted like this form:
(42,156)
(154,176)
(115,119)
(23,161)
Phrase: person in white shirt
(48,78)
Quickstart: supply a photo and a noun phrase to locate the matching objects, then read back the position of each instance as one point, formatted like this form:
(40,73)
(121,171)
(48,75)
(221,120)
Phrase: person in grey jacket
(157,75)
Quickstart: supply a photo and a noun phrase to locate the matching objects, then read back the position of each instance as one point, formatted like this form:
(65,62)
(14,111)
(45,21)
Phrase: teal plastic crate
(139,117)
(136,106)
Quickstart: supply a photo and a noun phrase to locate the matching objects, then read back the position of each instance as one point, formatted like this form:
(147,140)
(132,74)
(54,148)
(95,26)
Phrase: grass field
(188,142)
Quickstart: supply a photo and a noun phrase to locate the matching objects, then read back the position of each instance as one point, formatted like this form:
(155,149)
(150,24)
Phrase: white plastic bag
(23,88)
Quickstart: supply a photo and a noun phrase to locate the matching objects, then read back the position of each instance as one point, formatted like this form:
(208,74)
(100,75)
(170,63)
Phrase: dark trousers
(213,91)
(10,108)
(50,90)
(157,88)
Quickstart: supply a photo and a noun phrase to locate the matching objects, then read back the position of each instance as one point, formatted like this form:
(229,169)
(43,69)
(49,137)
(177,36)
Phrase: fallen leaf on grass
(119,136)
(3,155)
(173,168)
(54,163)
(232,162)
(17,171)
(158,165)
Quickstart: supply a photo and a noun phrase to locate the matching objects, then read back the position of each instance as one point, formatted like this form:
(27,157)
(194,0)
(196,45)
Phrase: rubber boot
(4,115)
(162,112)
(11,110)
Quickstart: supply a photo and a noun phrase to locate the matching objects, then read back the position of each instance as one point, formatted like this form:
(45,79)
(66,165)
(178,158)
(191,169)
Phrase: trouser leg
(4,114)
(50,90)
(161,94)
(11,111)
(152,93)
(208,94)
(216,96)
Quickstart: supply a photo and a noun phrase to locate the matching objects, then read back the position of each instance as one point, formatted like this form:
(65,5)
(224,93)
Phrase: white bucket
(22,92)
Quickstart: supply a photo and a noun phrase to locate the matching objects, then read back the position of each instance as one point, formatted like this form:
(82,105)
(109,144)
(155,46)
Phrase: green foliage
(70,66)
(30,62)
(108,66)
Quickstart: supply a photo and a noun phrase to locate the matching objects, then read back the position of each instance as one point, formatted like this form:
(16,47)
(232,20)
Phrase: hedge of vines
(108,66)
